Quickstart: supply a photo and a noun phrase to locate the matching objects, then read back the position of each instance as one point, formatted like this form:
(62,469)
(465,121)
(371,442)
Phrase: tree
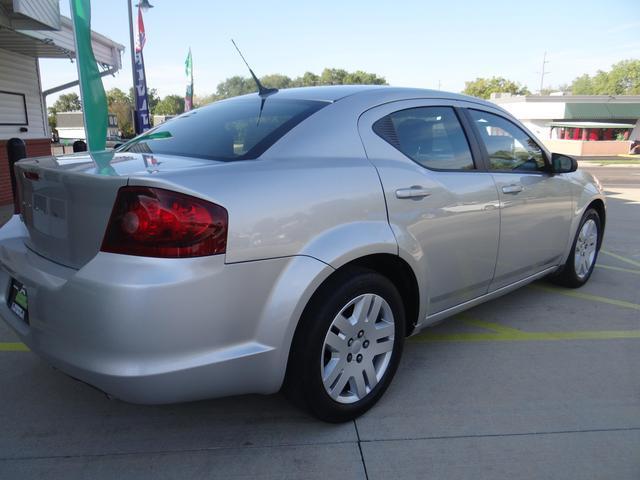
(202,100)
(234,86)
(363,78)
(276,80)
(484,87)
(309,79)
(622,79)
(333,76)
(152,99)
(170,105)
(238,85)
(121,106)
(68,102)
(582,85)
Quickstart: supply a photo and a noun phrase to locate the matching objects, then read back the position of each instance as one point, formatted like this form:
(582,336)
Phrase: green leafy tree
(121,106)
(53,121)
(363,78)
(582,85)
(234,86)
(238,85)
(484,87)
(68,102)
(152,99)
(202,100)
(170,105)
(309,79)
(333,76)
(276,80)
(622,79)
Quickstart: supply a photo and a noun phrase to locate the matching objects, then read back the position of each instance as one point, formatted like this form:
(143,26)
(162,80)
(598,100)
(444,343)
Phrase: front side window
(430,136)
(508,147)
(237,129)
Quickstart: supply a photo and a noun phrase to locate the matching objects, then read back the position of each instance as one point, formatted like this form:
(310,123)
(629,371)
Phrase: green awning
(602,111)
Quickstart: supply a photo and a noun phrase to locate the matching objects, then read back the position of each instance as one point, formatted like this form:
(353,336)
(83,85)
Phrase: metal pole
(133,66)
(16,150)
(544,62)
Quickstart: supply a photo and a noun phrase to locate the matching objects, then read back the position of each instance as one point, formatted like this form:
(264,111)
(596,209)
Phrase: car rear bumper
(151,330)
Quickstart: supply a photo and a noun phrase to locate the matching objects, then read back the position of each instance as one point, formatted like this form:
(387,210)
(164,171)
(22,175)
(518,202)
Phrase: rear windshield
(227,130)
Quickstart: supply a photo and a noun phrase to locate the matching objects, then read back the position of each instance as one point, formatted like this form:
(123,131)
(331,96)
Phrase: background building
(578,124)
(29,30)
(70,127)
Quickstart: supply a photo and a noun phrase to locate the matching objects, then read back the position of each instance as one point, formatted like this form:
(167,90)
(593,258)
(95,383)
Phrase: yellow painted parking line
(621,258)
(618,269)
(13,347)
(520,336)
(587,296)
(502,333)
(495,327)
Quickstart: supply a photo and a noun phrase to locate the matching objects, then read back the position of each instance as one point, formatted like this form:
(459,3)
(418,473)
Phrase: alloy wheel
(586,246)
(357,349)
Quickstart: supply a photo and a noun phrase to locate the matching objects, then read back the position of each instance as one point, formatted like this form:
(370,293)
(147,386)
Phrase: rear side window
(234,129)
(430,136)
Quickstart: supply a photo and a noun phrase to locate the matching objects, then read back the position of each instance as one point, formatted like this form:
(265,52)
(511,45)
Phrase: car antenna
(263,91)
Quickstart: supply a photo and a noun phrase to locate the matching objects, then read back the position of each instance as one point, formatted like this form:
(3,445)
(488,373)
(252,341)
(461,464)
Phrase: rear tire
(347,346)
(584,252)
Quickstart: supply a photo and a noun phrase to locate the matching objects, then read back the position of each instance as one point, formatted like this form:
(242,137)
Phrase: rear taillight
(153,222)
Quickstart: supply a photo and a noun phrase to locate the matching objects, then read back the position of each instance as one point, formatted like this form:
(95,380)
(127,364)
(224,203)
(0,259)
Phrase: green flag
(94,100)
(188,70)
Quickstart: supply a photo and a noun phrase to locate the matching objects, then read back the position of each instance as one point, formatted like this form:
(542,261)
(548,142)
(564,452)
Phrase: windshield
(227,130)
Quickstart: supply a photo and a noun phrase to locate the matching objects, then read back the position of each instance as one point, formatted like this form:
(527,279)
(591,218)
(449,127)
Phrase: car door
(535,205)
(442,208)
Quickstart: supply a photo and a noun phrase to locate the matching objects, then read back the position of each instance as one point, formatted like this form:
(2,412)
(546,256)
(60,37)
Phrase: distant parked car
(114,142)
(292,239)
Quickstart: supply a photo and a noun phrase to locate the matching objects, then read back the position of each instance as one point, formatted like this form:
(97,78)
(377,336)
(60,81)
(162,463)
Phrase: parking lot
(541,383)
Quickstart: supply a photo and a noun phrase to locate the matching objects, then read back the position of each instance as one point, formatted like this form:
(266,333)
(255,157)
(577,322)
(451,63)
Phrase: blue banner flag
(142,120)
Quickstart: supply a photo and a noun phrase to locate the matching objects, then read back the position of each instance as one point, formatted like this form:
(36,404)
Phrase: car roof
(334,93)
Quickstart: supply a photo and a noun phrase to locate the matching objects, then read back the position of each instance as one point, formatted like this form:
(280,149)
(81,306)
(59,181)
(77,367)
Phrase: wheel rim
(586,246)
(357,349)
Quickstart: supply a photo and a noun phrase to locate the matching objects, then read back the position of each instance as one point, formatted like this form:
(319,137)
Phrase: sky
(425,44)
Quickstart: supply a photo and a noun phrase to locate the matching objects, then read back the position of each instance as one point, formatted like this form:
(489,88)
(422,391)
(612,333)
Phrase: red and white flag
(141,38)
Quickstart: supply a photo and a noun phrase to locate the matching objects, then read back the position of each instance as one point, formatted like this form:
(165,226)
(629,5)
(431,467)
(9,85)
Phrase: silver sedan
(291,240)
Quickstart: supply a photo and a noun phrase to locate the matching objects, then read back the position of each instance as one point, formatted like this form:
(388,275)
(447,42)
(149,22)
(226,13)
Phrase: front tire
(584,252)
(347,346)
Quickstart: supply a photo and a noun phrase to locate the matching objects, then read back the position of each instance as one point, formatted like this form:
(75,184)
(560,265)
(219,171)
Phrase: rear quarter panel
(313,193)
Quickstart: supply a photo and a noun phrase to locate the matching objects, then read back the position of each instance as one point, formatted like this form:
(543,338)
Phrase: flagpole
(133,66)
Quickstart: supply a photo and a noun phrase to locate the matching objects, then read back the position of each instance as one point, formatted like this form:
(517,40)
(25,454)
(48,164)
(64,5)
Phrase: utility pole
(543,73)
(133,64)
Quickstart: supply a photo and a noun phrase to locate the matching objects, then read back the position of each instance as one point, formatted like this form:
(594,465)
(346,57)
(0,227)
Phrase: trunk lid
(66,201)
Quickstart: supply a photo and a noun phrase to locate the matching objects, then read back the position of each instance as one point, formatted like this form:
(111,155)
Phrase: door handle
(416,192)
(512,189)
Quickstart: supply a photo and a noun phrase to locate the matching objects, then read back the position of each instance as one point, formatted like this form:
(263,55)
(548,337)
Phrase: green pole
(94,99)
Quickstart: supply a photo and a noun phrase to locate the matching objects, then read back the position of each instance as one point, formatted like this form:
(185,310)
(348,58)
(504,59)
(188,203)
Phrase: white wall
(45,12)
(74,133)
(539,128)
(19,74)
(531,110)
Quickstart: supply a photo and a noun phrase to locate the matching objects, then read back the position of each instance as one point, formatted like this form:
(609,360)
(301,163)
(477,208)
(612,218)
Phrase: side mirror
(563,163)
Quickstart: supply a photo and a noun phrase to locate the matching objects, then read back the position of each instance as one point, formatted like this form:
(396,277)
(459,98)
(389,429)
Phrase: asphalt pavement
(541,383)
